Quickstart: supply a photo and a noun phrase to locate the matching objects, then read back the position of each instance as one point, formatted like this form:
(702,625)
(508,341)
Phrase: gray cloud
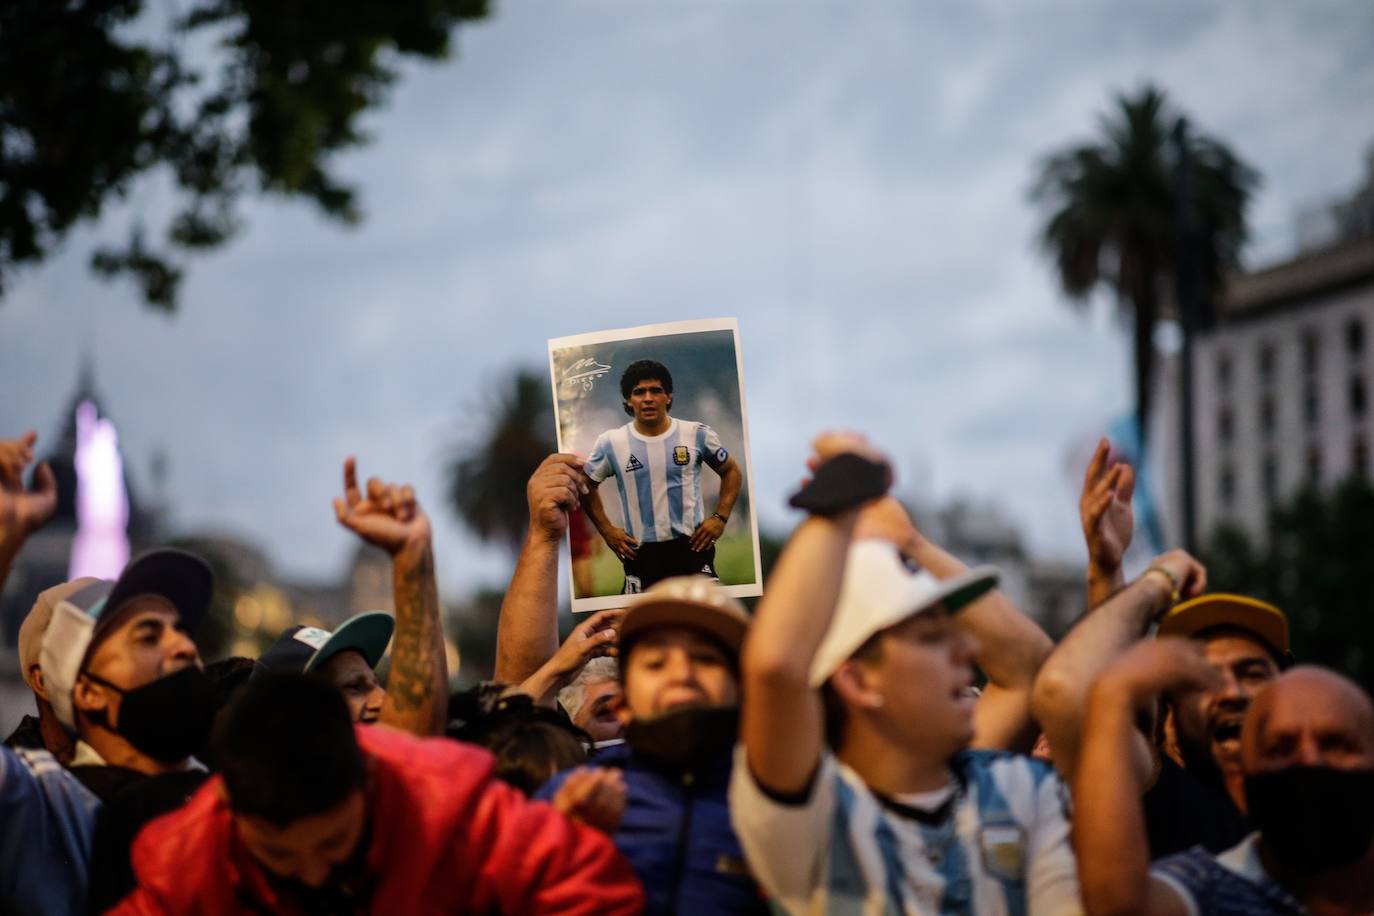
(849,180)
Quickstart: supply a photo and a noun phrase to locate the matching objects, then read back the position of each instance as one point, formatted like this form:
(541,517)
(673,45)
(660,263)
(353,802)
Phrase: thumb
(44,480)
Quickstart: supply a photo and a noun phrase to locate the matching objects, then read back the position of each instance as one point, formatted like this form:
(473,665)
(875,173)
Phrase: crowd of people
(885,733)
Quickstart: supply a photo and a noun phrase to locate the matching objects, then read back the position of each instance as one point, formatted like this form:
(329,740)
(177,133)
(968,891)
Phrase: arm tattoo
(417,690)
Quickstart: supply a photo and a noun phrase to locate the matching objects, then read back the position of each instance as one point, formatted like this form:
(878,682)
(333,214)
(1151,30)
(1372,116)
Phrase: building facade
(1282,384)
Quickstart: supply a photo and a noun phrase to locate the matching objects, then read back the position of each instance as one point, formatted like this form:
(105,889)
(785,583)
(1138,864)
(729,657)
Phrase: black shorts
(659,560)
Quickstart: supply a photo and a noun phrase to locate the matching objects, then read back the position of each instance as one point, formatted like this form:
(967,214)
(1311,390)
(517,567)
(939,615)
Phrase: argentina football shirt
(658,477)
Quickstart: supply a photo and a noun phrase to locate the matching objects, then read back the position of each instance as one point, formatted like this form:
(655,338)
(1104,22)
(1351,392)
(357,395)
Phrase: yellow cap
(1223,610)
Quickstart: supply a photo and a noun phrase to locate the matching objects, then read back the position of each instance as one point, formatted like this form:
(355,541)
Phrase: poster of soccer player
(658,414)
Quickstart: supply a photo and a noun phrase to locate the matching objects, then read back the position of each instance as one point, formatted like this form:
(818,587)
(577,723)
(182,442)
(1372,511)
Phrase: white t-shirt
(1002,847)
(658,477)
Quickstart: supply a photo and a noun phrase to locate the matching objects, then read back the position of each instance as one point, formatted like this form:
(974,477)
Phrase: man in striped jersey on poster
(656,461)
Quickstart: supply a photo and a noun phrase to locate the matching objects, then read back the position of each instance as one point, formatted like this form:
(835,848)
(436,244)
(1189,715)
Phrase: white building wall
(1293,441)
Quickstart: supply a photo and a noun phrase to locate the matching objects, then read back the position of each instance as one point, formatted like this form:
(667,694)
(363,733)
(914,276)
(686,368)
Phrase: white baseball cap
(881,590)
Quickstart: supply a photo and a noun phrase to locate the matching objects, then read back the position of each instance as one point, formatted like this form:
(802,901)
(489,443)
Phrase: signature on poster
(584,372)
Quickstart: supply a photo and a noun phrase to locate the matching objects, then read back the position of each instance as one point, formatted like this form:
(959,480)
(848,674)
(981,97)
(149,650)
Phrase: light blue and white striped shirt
(1002,850)
(659,477)
(47,820)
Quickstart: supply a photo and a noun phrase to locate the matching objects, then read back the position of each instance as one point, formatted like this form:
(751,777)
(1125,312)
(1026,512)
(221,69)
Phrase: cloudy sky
(846,179)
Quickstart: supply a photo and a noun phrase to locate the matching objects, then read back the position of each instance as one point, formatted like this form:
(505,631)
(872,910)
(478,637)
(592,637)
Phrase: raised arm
(592,638)
(1012,647)
(527,630)
(1061,688)
(389,518)
(22,512)
(1104,509)
(782,722)
(1109,835)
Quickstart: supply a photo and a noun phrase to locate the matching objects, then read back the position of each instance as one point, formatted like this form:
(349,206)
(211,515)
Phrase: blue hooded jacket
(676,833)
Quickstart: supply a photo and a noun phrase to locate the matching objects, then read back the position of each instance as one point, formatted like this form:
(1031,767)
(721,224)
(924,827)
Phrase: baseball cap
(880,590)
(301,649)
(687,601)
(1226,610)
(36,622)
(81,619)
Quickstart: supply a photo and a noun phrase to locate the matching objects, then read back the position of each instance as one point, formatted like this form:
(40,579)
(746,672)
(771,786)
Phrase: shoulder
(1028,789)
(977,763)
(195,832)
(455,764)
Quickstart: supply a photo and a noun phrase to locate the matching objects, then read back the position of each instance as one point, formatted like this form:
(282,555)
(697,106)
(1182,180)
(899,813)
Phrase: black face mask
(1313,818)
(169,718)
(686,740)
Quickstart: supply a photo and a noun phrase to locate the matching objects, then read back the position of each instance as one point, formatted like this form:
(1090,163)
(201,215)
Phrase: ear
(36,681)
(621,709)
(88,696)
(1171,747)
(856,686)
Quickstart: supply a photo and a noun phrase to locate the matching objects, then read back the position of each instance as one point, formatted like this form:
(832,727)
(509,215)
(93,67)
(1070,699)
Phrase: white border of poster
(582,376)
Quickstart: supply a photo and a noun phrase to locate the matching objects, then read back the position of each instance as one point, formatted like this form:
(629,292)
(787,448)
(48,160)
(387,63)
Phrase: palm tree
(1111,217)
(488,470)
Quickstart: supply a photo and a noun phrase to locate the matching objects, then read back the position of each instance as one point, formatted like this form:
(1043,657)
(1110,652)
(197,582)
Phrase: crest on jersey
(633,464)
(681,455)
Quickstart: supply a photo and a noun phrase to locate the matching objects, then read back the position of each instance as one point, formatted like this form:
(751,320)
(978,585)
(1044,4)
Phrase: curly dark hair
(637,372)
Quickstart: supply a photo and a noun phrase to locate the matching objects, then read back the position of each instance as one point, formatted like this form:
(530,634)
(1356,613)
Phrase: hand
(1190,575)
(707,533)
(595,796)
(1155,666)
(23,512)
(829,444)
(554,490)
(621,544)
(594,637)
(388,518)
(1104,508)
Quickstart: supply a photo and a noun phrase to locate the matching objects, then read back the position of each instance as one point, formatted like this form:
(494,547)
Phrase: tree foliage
(90,102)
(1109,209)
(1315,567)
(490,467)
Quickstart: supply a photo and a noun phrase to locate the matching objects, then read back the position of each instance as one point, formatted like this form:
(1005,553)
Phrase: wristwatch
(723,519)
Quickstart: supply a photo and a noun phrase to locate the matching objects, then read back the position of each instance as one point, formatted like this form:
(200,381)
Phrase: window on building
(1269,478)
(1314,465)
(1354,336)
(1310,352)
(1226,485)
(1268,359)
(1358,401)
(1223,371)
(1311,406)
(1267,414)
(1226,425)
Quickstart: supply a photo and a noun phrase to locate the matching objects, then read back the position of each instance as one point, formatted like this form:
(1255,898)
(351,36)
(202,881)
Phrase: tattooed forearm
(417,692)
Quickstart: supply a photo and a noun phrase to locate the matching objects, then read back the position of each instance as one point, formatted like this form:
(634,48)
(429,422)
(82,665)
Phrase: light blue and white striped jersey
(47,820)
(659,477)
(1002,850)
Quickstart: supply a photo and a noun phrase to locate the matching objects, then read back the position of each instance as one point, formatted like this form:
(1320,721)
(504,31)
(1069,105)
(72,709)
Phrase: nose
(966,646)
(1309,754)
(680,667)
(180,647)
(375,699)
(314,873)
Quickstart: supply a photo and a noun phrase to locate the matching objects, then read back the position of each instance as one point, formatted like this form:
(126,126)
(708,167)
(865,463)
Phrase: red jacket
(447,837)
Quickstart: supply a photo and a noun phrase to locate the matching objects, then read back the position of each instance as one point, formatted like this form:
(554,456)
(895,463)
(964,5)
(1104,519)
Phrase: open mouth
(1226,732)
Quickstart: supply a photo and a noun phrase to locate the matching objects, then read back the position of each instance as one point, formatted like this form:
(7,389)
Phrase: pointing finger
(351,492)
